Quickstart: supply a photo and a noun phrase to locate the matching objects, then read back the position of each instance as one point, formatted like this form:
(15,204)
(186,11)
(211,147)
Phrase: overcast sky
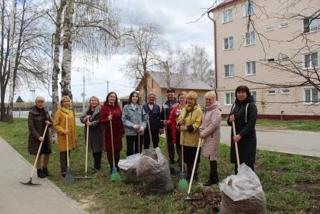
(174,17)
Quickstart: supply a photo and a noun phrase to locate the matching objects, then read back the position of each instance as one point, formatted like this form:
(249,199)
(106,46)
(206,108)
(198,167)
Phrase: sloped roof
(223,4)
(178,82)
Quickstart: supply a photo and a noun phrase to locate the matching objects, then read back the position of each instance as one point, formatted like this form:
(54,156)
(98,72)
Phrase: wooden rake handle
(236,143)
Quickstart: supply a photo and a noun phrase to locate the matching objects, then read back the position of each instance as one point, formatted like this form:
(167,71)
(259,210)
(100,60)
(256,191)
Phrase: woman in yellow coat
(64,123)
(188,123)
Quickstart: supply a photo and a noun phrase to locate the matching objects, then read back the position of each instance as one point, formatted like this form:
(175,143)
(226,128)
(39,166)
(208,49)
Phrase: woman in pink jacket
(210,132)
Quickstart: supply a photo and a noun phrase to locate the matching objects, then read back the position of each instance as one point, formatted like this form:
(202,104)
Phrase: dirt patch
(314,190)
(206,199)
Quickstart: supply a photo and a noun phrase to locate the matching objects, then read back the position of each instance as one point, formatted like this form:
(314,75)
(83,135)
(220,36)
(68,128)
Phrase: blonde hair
(94,97)
(211,94)
(63,98)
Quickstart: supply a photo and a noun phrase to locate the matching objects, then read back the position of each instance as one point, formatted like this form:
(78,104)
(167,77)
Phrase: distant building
(157,82)
(242,60)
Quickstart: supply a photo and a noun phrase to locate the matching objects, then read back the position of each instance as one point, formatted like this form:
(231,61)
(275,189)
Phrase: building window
(284,24)
(250,68)
(254,96)
(311,95)
(229,98)
(310,24)
(248,9)
(285,91)
(311,60)
(227,16)
(229,70)
(269,28)
(250,38)
(272,91)
(228,43)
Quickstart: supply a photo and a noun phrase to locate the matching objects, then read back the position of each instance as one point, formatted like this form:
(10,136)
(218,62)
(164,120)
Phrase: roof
(179,82)
(224,3)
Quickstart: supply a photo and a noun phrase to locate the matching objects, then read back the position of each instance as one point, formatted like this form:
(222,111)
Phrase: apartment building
(267,45)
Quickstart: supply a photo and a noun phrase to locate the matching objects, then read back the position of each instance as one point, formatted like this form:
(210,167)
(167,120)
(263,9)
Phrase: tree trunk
(14,59)
(67,50)
(56,58)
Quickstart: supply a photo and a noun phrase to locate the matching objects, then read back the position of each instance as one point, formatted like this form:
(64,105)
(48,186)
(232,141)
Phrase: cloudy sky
(174,17)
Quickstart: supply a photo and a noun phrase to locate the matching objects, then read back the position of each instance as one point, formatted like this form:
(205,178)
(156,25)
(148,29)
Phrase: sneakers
(40,173)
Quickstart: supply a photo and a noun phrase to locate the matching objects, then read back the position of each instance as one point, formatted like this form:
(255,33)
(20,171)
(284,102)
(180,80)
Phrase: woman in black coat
(244,114)
(37,120)
(91,119)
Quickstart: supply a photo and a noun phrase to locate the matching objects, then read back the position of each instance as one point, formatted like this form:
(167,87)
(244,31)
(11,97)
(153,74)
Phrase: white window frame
(228,17)
(230,44)
(284,24)
(231,94)
(272,92)
(310,65)
(245,9)
(232,70)
(253,70)
(312,27)
(285,92)
(311,96)
(252,38)
(256,96)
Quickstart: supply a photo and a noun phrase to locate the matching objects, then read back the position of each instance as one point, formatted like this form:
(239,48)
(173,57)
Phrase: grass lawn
(304,125)
(291,182)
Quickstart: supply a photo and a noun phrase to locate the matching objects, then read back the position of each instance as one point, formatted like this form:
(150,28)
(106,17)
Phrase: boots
(40,173)
(46,172)
(213,177)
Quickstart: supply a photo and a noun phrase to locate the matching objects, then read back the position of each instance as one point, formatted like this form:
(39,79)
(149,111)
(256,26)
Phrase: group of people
(182,119)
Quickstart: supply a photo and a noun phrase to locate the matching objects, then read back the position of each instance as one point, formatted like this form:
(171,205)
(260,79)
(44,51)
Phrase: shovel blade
(68,179)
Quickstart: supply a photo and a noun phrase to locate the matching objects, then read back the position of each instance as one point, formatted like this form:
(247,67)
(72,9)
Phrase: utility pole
(107,86)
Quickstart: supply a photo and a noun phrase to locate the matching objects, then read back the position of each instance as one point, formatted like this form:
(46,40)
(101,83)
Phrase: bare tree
(143,43)
(306,71)
(200,64)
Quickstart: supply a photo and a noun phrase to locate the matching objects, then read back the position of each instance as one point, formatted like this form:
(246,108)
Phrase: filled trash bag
(242,193)
(153,170)
(128,168)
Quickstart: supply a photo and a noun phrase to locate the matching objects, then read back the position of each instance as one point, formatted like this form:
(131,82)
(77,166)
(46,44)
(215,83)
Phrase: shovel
(86,158)
(188,198)
(68,179)
(149,130)
(29,183)
(183,183)
(115,176)
(236,143)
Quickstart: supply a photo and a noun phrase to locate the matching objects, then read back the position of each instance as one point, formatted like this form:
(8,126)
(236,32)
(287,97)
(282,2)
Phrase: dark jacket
(154,118)
(165,111)
(245,121)
(117,127)
(36,126)
(95,131)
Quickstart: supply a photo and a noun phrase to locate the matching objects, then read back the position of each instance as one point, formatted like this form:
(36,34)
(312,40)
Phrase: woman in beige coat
(210,132)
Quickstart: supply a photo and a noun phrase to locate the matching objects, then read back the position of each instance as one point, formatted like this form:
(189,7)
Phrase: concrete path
(287,141)
(16,198)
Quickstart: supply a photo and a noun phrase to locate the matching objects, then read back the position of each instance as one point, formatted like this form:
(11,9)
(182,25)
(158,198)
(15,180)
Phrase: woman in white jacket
(210,132)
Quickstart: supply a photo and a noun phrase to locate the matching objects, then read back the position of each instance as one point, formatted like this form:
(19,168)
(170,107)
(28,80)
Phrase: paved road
(287,141)
(16,198)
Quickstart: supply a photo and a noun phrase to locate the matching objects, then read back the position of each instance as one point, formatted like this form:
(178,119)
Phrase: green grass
(304,125)
(284,179)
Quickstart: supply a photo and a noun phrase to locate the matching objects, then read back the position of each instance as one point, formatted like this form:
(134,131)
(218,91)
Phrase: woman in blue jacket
(134,121)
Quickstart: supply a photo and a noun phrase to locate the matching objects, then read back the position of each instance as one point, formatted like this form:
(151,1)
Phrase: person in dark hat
(165,113)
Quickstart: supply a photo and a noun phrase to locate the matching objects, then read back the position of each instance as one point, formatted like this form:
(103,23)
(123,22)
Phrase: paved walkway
(287,141)
(16,198)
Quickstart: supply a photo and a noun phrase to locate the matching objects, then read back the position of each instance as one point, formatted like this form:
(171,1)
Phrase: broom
(115,176)
(183,183)
(36,160)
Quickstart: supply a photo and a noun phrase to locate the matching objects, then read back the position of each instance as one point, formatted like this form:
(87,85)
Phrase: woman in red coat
(112,111)
(172,121)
